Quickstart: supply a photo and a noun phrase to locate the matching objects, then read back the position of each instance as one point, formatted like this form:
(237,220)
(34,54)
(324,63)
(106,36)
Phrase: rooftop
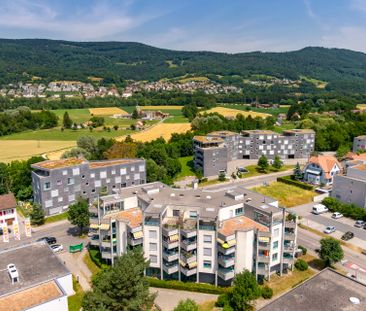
(97,164)
(208,139)
(222,133)
(36,263)
(132,216)
(326,162)
(7,201)
(328,290)
(55,164)
(259,132)
(361,137)
(230,226)
(302,131)
(33,296)
(361,167)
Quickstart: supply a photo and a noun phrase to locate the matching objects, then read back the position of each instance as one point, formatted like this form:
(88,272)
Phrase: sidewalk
(51,225)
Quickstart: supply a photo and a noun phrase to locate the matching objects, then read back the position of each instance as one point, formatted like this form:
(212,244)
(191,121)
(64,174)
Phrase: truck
(319,209)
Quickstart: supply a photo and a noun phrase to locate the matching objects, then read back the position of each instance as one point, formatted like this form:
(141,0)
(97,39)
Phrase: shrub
(301,265)
(267,292)
(222,300)
(288,180)
(96,257)
(348,210)
(188,286)
(304,249)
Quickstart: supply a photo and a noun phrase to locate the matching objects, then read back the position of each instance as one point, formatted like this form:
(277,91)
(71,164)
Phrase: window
(47,185)
(103,174)
(118,180)
(123,185)
(132,168)
(83,176)
(136,176)
(207,264)
(64,173)
(60,199)
(207,238)
(153,234)
(276,232)
(76,171)
(142,168)
(59,182)
(275,245)
(239,211)
(48,203)
(71,198)
(153,258)
(92,175)
(153,247)
(97,183)
(123,171)
(207,251)
(176,212)
(113,172)
(274,257)
(70,181)
(54,193)
(193,214)
(93,191)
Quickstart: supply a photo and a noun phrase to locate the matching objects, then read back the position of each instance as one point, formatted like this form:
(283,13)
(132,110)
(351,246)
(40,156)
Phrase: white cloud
(348,37)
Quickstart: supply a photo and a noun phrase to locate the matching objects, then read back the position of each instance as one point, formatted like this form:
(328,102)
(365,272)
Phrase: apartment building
(359,143)
(196,235)
(213,151)
(57,184)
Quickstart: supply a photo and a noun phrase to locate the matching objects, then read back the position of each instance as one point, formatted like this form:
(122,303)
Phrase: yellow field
(232,113)
(161,107)
(108,111)
(24,149)
(361,106)
(164,130)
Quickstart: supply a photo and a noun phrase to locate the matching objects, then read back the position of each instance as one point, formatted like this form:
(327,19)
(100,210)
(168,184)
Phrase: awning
(313,172)
(138,235)
(174,238)
(104,227)
(263,239)
(220,241)
(192,265)
(94,226)
(231,242)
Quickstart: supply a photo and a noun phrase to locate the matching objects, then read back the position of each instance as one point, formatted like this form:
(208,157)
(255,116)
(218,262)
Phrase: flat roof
(361,167)
(222,133)
(327,290)
(132,216)
(36,263)
(33,296)
(269,132)
(208,139)
(241,223)
(361,137)
(54,164)
(97,164)
(302,131)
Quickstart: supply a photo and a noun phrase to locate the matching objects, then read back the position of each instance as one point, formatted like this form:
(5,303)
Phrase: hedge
(188,286)
(96,257)
(290,181)
(348,210)
(267,292)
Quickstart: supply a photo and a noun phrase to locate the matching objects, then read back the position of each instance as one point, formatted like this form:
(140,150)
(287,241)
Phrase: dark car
(1,231)
(347,236)
(49,239)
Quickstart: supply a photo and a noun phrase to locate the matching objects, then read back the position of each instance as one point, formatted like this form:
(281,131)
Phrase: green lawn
(76,115)
(287,195)
(55,218)
(187,167)
(176,119)
(75,301)
(254,171)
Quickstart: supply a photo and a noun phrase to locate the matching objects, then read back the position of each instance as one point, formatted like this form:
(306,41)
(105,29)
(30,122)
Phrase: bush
(304,249)
(267,292)
(348,210)
(290,181)
(301,265)
(96,257)
(222,300)
(188,286)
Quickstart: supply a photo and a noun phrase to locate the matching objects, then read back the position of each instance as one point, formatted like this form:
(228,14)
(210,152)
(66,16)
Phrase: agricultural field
(162,108)
(272,111)
(24,149)
(232,113)
(318,83)
(163,130)
(361,106)
(107,111)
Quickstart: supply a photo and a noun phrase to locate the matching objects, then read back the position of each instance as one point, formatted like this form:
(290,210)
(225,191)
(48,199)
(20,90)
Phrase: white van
(319,209)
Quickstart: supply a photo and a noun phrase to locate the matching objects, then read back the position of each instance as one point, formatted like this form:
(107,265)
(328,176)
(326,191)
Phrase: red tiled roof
(355,156)
(7,201)
(326,163)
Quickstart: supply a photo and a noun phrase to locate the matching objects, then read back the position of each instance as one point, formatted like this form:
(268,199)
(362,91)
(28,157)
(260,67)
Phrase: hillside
(117,61)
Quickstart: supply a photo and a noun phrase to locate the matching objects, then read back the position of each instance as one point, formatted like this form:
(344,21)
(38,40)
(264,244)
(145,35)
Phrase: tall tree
(123,287)
(330,251)
(78,214)
(277,163)
(66,122)
(298,172)
(37,215)
(263,164)
(121,150)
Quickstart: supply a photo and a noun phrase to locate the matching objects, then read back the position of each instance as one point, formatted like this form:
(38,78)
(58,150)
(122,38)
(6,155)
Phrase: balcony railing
(188,233)
(188,258)
(170,256)
(188,245)
(170,269)
(135,242)
(226,261)
(289,235)
(226,274)
(226,251)
(262,258)
(264,246)
(168,231)
(170,245)
(188,272)
(290,224)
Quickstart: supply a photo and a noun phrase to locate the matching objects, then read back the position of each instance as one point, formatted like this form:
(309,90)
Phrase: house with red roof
(321,169)
(8,206)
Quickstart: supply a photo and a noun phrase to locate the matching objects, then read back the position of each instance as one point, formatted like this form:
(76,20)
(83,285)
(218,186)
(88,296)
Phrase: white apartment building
(196,235)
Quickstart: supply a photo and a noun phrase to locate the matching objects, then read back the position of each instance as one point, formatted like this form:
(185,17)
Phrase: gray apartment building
(213,151)
(359,143)
(196,235)
(58,183)
(351,188)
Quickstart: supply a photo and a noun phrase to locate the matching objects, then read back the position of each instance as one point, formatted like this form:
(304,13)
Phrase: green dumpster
(76,248)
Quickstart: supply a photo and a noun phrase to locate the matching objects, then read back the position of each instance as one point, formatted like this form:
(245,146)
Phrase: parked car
(337,215)
(49,239)
(319,209)
(242,170)
(57,248)
(347,236)
(2,232)
(329,229)
(359,224)
(12,270)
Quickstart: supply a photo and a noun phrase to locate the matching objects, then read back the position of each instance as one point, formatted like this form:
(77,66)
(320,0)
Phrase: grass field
(164,130)
(107,111)
(74,302)
(272,111)
(24,149)
(76,115)
(254,171)
(361,106)
(187,167)
(318,83)
(287,195)
(232,113)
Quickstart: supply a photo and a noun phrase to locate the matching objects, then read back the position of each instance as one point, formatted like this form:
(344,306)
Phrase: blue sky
(217,25)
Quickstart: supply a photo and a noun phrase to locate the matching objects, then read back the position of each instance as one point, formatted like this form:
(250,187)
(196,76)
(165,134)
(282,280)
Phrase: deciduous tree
(78,214)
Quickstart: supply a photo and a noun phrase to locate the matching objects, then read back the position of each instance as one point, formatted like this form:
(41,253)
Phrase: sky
(216,25)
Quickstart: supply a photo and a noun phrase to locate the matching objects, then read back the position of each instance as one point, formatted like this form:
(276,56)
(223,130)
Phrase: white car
(13,272)
(337,215)
(329,229)
(57,248)
(359,224)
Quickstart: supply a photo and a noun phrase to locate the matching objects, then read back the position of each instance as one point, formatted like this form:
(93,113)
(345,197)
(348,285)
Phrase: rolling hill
(116,61)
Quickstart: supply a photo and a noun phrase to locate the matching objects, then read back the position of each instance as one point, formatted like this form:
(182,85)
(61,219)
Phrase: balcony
(264,246)
(94,220)
(135,242)
(226,251)
(263,259)
(94,241)
(289,247)
(170,256)
(187,258)
(226,262)
(188,272)
(188,245)
(263,270)
(226,274)
(288,259)
(290,224)
(289,235)
(152,222)
(188,233)
(168,230)
(106,243)
(170,269)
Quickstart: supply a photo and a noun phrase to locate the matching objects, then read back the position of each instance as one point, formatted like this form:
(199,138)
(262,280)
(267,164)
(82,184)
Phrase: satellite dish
(354,300)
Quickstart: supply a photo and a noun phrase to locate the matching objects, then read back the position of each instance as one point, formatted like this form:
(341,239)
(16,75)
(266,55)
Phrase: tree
(190,111)
(115,127)
(297,172)
(342,151)
(263,164)
(37,215)
(330,251)
(222,176)
(186,305)
(245,290)
(121,150)
(277,163)
(67,122)
(122,287)
(135,114)
(78,214)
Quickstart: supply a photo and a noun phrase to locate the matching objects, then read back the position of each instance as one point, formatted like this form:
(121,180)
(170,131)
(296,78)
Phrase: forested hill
(117,61)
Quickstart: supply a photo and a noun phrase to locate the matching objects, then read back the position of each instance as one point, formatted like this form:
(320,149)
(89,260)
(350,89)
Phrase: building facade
(359,143)
(321,169)
(213,151)
(57,184)
(8,212)
(196,235)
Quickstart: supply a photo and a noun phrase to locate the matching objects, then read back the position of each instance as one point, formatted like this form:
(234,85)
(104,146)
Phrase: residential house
(8,213)
(321,169)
